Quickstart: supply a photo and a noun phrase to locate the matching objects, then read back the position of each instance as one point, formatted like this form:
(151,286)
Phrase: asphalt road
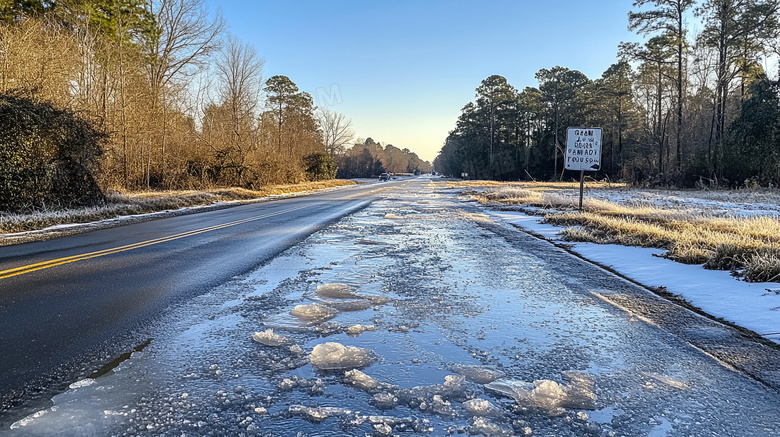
(70,304)
(458,323)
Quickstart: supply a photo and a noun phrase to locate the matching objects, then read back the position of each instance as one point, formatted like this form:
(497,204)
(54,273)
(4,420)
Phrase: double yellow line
(60,261)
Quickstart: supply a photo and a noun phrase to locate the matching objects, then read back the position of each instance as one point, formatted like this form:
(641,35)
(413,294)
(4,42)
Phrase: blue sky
(402,70)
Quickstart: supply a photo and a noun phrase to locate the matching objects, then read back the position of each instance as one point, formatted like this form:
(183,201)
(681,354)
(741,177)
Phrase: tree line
(368,158)
(679,109)
(171,100)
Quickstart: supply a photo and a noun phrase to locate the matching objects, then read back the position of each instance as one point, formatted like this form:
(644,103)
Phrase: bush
(319,167)
(47,156)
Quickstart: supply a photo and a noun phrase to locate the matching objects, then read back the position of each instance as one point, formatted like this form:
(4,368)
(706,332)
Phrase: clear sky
(402,70)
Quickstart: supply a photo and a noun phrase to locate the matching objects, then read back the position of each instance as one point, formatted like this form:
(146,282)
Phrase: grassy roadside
(123,204)
(749,246)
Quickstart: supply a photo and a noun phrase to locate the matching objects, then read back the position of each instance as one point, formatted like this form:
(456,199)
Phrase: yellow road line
(60,261)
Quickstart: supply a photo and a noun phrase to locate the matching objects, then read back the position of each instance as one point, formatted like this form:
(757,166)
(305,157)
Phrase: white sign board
(583,148)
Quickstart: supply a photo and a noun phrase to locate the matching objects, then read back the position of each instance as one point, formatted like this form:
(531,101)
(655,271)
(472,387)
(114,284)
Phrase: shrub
(47,156)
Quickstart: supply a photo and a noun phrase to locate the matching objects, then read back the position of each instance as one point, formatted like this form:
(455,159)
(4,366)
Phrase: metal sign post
(583,152)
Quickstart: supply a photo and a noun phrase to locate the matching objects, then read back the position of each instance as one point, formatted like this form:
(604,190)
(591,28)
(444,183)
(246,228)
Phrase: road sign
(583,148)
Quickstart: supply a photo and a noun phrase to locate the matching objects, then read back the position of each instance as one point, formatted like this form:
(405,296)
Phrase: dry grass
(750,245)
(131,203)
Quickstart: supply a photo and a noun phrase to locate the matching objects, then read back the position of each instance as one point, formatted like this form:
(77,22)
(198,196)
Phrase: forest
(680,109)
(135,95)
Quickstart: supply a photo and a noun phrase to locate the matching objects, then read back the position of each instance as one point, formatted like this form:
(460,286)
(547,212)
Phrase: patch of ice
(317,414)
(479,407)
(441,406)
(453,388)
(384,401)
(359,329)
(268,338)
(28,420)
(393,217)
(82,383)
(336,356)
(483,426)
(671,382)
(314,312)
(478,374)
(549,395)
(336,290)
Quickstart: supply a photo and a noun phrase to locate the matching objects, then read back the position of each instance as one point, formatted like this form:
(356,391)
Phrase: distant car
(384,177)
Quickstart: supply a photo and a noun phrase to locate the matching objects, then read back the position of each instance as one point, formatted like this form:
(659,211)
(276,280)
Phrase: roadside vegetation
(749,246)
(691,103)
(134,96)
(131,203)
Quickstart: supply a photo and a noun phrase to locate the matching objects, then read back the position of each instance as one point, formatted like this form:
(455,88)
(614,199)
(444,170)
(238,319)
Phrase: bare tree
(183,38)
(336,130)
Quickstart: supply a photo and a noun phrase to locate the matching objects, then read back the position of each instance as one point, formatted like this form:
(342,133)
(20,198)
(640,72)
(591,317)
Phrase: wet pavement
(418,316)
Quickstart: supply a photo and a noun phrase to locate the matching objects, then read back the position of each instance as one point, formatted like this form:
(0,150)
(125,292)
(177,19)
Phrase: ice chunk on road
(478,374)
(335,290)
(517,390)
(82,383)
(479,407)
(384,401)
(268,338)
(453,388)
(359,329)
(336,356)
(483,426)
(549,395)
(314,312)
(317,414)
(360,380)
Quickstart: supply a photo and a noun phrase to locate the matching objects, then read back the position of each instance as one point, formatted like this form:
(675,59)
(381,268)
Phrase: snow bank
(336,356)
(268,338)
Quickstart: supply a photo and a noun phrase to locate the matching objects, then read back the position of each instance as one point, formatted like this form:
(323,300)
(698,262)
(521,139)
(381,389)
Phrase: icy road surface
(418,316)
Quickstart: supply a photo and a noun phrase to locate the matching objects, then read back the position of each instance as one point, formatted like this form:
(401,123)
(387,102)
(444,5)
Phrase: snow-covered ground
(755,306)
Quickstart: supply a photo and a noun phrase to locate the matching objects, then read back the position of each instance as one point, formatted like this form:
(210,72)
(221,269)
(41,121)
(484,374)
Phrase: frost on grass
(268,338)
(478,374)
(314,312)
(336,356)
(336,290)
(549,395)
